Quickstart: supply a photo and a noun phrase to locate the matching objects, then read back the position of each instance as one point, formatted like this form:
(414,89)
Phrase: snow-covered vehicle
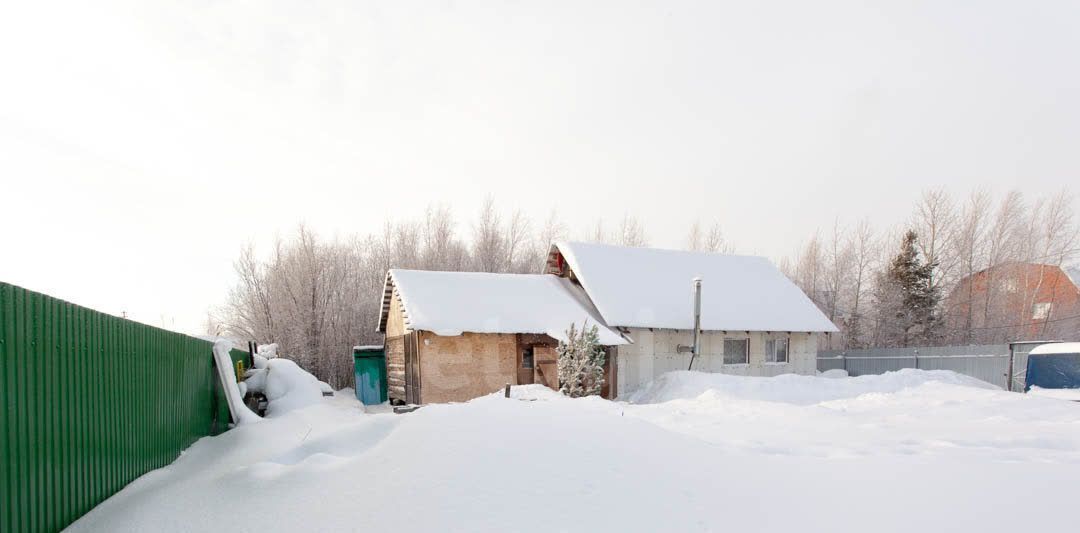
(1053,370)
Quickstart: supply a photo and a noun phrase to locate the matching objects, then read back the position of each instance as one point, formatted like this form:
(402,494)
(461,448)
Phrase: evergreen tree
(581,362)
(914,298)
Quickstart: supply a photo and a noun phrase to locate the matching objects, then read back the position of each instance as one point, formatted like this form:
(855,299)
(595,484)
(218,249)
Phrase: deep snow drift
(792,388)
(916,451)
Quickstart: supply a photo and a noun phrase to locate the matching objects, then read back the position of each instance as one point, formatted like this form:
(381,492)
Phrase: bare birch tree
(698,240)
(489,243)
(969,242)
(631,232)
(864,254)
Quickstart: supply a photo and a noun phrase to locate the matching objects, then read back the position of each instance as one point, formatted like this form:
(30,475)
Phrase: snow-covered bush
(581,362)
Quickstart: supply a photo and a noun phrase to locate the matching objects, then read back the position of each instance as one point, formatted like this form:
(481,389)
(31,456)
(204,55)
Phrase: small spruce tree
(581,362)
(915,300)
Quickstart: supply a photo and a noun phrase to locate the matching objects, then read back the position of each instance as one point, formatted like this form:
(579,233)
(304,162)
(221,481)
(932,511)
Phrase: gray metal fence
(986,362)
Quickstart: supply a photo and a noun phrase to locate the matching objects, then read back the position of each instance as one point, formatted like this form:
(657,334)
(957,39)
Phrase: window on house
(736,351)
(776,351)
(1009,285)
(527,357)
(1040,311)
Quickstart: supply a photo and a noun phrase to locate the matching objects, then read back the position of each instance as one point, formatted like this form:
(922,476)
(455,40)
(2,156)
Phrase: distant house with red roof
(1017,301)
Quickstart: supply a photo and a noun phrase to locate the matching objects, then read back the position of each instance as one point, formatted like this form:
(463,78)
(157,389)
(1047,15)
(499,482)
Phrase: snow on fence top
(451,303)
(651,288)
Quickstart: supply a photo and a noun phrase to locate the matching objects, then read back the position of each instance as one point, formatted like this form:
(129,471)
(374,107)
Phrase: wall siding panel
(655,352)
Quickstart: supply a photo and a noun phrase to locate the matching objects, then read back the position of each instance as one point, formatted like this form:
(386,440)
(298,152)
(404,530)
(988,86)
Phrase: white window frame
(770,350)
(1041,310)
(746,353)
(1010,285)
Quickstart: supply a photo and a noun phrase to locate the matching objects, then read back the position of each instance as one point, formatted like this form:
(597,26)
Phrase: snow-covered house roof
(451,303)
(652,288)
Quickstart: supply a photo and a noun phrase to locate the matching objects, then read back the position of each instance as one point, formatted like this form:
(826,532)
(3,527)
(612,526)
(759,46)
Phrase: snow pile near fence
(268,351)
(792,388)
(287,386)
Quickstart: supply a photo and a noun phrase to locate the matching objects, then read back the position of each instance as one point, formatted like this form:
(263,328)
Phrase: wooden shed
(454,336)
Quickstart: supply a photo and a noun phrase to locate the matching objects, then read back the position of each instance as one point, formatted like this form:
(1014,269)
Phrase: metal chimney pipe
(697,323)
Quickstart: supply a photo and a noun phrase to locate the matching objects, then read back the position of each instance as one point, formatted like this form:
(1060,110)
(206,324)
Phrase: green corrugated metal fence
(89,403)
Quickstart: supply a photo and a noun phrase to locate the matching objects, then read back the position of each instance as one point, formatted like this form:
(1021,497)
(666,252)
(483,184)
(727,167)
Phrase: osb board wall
(395,351)
(395,318)
(463,367)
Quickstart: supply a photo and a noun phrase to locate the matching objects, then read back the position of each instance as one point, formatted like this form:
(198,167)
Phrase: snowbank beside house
(523,392)
(835,373)
(791,388)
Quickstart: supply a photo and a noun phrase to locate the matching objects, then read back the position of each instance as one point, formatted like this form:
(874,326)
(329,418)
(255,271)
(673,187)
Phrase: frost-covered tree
(698,240)
(490,244)
(631,232)
(864,254)
(581,362)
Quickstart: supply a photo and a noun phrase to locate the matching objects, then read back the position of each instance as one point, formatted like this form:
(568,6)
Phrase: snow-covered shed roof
(653,288)
(451,303)
(1056,348)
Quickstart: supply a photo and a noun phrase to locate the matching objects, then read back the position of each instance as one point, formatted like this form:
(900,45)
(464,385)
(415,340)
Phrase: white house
(754,321)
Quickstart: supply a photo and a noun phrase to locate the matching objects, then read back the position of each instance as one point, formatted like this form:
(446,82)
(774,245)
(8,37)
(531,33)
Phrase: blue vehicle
(1053,370)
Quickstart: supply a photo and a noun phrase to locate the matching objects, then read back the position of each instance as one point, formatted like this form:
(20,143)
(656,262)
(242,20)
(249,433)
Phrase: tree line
(316,298)
(915,284)
(882,287)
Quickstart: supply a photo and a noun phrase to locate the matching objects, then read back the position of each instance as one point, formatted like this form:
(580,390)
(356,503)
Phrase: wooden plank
(610,388)
(412,368)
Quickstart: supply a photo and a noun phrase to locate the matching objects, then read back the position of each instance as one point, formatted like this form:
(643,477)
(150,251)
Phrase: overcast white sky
(142,143)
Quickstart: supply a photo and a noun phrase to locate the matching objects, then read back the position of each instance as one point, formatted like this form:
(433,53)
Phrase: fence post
(1009,372)
(916,358)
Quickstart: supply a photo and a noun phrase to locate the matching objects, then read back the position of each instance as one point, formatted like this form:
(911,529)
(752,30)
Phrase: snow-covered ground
(907,451)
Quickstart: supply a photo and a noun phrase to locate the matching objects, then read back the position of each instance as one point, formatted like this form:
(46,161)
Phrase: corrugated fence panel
(90,402)
(986,362)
